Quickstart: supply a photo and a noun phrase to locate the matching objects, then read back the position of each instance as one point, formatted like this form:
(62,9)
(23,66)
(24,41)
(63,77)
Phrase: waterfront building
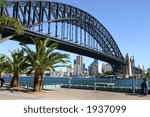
(47,73)
(148,70)
(85,73)
(106,68)
(59,73)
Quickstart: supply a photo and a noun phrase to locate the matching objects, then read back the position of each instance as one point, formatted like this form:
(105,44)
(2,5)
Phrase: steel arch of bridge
(76,30)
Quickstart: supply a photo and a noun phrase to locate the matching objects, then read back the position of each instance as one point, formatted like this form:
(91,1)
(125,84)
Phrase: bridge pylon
(129,72)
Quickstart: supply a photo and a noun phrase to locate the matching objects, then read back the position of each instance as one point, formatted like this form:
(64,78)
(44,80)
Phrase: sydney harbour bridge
(73,29)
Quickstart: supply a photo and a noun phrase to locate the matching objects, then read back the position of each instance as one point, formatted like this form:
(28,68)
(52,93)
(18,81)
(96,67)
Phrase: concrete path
(66,94)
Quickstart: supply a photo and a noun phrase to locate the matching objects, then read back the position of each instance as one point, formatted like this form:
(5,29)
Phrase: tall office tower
(84,66)
(141,67)
(78,66)
(93,68)
(69,71)
(133,62)
(100,69)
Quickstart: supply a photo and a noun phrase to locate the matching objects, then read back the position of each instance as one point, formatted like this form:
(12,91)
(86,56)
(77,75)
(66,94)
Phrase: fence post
(95,86)
(133,85)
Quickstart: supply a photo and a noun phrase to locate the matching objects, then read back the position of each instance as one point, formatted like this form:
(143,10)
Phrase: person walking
(144,87)
(146,90)
(2,81)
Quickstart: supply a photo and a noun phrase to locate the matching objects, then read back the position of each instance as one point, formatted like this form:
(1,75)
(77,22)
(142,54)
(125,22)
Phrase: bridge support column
(128,67)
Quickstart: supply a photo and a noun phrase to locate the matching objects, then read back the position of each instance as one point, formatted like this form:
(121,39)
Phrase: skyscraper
(100,68)
(148,69)
(141,67)
(78,66)
(93,68)
(69,71)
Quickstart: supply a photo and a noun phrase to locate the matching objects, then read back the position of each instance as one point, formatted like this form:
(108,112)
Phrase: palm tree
(16,65)
(2,64)
(6,21)
(43,59)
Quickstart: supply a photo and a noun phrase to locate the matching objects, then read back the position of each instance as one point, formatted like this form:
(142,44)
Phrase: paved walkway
(66,94)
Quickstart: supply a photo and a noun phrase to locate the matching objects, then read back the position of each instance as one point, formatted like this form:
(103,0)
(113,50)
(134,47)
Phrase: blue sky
(128,21)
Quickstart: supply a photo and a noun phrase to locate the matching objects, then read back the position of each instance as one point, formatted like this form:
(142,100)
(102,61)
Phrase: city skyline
(127,21)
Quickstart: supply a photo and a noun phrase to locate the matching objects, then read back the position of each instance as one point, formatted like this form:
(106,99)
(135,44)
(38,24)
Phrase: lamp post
(69,82)
(95,84)
(133,85)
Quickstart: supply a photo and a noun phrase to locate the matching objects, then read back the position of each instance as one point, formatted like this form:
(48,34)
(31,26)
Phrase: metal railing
(114,87)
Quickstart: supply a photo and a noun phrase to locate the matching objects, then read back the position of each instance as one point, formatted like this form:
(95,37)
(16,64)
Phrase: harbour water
(122,82)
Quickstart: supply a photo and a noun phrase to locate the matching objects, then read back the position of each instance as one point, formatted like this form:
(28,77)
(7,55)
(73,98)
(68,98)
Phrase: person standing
(146,90)
(144,87)
(2,81)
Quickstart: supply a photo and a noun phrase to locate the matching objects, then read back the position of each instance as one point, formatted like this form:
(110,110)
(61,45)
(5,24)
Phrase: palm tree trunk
(38,80)
(15,80)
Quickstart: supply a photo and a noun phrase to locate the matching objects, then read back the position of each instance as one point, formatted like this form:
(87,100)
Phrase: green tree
(6,21)
(2,64)
(148,75)
(43,59)
(16,65)
(99,75)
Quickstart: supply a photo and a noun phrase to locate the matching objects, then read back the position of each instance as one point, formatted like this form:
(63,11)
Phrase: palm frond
(6,21)
(17,63)
(2,3)
(44,58)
